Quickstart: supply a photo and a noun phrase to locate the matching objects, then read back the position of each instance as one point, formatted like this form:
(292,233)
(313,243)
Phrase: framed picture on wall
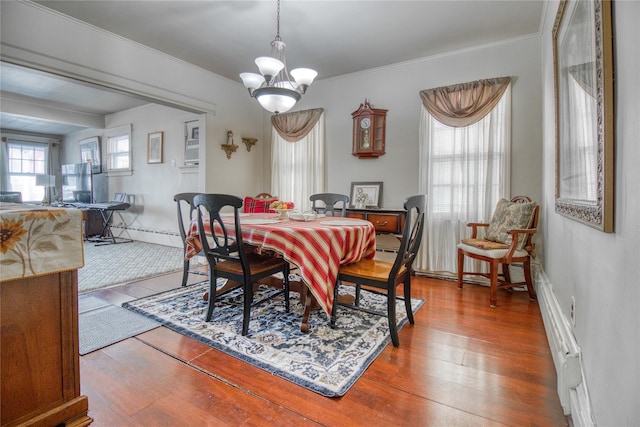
(154,147)
(90,153)
(366,194)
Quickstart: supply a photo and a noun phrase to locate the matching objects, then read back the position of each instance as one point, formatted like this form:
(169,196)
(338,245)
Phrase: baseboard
(148,235)
(566,353)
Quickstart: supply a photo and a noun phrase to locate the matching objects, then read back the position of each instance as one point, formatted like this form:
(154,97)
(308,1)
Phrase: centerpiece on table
(283,208)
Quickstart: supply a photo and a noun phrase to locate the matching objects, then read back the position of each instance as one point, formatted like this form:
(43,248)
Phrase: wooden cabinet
(384,220)
(39,352)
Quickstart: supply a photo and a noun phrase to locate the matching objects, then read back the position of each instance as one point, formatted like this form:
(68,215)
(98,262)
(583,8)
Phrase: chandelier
(273,88)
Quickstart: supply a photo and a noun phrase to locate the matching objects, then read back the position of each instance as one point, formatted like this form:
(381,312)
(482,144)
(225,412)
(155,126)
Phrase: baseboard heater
(565,352)
(146,230)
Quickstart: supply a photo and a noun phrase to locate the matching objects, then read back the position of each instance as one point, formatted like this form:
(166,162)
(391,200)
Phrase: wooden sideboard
(384,220)
(39,349)
(40,361)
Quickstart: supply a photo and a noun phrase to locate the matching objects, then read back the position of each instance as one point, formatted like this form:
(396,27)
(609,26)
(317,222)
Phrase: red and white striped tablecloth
(317,247)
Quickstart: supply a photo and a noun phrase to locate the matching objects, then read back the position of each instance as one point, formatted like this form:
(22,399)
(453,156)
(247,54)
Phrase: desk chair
(228,258)
(330,203)
(385,275)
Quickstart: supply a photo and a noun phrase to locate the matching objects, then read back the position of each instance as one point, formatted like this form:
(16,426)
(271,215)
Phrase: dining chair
(385,275)
(259,203)
(229,258)
(186,213)
(331,202)
(507,240)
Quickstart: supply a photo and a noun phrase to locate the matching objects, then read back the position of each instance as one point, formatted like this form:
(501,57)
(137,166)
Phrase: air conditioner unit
(192,152)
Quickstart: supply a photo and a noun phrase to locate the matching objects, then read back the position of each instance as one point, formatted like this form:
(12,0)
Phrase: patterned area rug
(122,263)
(326,361)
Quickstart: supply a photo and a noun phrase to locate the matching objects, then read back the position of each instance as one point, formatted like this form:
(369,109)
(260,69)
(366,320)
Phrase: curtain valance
(466,103)
(294,126)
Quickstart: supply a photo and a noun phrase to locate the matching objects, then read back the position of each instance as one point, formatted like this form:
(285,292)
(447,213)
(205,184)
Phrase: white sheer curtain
(298,167)
(464,171)
(5,182)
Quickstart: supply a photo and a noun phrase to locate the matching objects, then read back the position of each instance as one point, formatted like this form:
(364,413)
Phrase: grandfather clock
(369,126)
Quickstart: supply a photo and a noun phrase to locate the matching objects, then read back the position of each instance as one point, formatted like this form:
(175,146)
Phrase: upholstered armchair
(507,240)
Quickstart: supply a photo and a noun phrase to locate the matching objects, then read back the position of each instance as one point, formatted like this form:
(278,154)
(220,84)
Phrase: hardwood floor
(461,364)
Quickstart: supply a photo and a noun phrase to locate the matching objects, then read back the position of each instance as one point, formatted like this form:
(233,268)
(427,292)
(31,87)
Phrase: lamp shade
(276,100)
(304,76)
(269,66)
(45,180)
(252,80)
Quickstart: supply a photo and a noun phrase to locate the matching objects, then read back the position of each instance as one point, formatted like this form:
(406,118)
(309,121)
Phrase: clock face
(365,123)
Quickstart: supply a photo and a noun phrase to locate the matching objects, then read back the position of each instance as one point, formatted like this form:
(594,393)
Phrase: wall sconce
(249,142)
(229,147)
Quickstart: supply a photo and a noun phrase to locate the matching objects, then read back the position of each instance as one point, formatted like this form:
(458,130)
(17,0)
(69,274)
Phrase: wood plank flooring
(461,364)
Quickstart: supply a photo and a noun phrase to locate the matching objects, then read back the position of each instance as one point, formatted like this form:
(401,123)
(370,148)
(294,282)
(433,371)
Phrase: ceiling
(333,37)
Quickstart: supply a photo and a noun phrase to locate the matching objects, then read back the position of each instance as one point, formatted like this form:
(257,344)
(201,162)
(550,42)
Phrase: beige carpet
(110,265)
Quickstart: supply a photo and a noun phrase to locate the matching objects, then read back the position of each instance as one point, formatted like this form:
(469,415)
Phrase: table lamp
(46,181)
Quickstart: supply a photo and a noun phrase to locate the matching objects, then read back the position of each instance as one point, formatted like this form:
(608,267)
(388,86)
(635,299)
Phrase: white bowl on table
(283,213)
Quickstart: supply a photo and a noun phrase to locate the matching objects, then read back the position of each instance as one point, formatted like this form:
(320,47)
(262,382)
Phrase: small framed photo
(195,133)
(90,153)
(366,195)
(154,147)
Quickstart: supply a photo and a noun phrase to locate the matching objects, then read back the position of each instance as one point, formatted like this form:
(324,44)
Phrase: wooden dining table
(316,247)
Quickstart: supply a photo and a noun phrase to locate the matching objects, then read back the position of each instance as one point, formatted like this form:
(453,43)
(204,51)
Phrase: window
(118,149)
(26,160)
(465,171)
(298,167)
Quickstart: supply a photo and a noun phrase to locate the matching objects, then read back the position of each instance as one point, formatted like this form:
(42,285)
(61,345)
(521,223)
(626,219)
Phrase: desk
(106,210)
(317,247)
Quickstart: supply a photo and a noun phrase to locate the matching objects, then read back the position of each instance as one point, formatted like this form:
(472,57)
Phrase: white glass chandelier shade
(252,81)
(275,99)
(304,76)
(269,67)
(273,88)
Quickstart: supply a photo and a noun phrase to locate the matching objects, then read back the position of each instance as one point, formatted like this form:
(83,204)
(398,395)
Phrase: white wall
(600,269)
(397,88)
(82,51)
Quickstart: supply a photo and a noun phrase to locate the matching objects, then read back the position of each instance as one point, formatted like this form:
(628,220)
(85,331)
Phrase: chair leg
(391,316)
(506,274)
(526,265)
(212,295)
(460,267)
(334,309)
(493,291)
(185,273)
(407,297)
(248,300)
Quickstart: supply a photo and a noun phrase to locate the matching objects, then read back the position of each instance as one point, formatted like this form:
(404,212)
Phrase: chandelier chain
(278,22)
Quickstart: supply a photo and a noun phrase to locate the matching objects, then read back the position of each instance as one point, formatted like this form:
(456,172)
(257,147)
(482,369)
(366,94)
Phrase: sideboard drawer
(384,223)
(356,215)
(383,220)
